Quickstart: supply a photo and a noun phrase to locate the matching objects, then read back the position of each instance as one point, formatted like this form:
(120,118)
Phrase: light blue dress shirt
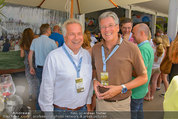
(42,46)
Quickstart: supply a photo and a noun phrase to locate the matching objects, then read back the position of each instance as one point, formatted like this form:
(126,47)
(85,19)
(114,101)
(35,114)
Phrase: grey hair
(71,21)
(109,14)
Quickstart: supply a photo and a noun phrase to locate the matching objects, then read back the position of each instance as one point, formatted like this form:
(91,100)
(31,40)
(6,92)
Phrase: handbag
(166,64)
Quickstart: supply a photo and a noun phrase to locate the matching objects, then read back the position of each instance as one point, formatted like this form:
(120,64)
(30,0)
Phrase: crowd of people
(73,71)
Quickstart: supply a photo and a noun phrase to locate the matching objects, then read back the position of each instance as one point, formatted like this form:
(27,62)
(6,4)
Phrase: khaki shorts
(123,105)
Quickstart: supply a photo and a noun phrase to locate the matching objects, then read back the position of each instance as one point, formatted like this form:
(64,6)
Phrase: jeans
(39,72)
(69,114)
(137,109)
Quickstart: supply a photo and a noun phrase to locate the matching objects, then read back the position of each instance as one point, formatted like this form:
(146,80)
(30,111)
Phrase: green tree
(2,4)
(161,27)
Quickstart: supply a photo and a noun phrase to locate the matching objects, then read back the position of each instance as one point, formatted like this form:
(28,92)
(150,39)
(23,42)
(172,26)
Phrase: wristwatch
(124,88)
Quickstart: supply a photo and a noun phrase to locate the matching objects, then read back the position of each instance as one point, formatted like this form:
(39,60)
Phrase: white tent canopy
(159,7)
(86,6)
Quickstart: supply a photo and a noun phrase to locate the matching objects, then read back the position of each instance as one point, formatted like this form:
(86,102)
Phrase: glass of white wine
(7,88)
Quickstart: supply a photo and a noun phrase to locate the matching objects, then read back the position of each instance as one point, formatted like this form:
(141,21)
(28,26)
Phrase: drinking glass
(7,86)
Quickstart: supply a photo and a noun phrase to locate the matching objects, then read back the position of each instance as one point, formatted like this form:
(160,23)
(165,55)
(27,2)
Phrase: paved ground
(22,88)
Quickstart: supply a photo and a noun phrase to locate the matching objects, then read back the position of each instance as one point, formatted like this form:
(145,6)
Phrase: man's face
(136,34)
(74,36)
(126,28)
(109,29)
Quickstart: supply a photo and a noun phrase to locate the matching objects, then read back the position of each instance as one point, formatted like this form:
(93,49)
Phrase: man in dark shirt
(6,46)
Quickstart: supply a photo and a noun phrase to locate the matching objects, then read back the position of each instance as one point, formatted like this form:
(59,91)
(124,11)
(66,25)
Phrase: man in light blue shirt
(40,46)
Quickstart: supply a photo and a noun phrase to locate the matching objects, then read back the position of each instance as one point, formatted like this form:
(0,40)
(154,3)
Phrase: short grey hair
(71,21)
(109,14)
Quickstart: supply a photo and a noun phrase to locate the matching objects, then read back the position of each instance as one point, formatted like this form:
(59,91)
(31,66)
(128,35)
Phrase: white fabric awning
(86,6)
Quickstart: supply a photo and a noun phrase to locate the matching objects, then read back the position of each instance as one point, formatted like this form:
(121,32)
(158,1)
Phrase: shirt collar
(44,36)
(143,42)
(71,52)
(118,41)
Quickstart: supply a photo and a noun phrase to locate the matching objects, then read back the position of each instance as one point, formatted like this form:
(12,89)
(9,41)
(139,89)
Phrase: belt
(65,108)
(110,100)
(39,66)
(107,100)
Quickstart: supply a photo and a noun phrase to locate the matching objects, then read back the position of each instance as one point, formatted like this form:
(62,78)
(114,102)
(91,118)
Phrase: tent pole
(78,7)
(71,9)
(39,6)
(114,3)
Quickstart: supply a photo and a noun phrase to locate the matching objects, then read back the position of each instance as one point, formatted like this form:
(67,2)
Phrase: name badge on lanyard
(78,81)
(105,75)
(104,78)
(79,85)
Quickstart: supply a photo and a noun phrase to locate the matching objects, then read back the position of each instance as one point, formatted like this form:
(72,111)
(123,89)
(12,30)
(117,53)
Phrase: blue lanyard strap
(146,41)
(112,52)
(77,68)
(130,35)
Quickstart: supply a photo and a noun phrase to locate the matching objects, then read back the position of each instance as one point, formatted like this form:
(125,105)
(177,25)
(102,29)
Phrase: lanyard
(146,41)
(130,36)
(103,55)
(77,68)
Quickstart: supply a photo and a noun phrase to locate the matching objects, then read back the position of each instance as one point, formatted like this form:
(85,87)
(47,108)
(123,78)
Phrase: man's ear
(142,33)
(117,27)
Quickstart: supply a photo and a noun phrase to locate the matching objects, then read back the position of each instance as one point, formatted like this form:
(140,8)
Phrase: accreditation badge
(79,85)
(104,78)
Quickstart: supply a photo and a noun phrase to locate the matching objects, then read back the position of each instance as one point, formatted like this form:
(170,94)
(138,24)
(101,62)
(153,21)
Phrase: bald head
(56,29)
(143,27)
(141,32)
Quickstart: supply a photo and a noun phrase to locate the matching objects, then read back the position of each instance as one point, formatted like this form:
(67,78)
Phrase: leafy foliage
(2,4)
